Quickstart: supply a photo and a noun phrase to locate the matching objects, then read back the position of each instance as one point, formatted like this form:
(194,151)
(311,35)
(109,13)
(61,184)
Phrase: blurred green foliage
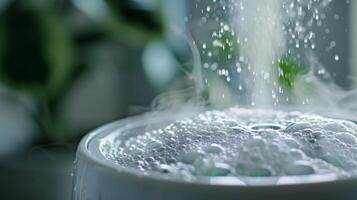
(131,22)
(136,16)
(41,48)
(229,46)
(36,53)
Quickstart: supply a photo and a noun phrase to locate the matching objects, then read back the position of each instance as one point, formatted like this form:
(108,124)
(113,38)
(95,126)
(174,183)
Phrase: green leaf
(289,70)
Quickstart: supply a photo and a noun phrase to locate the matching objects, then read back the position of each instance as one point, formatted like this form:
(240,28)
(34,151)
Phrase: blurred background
(69,66)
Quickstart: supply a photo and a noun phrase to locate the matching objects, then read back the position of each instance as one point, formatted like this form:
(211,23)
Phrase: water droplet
(337,57)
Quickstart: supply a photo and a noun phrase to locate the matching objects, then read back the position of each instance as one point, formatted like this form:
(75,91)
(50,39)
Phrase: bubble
(299,168)
(332,160)
(165,169)
(260,172)
(266,127)
(334,126)
(297,154)
(190,157)
(295,127)
(256,142)
(291,143)
(214,149)
(220,169)
(346,138)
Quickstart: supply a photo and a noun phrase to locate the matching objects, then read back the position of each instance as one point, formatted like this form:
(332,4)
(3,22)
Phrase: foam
(240,143)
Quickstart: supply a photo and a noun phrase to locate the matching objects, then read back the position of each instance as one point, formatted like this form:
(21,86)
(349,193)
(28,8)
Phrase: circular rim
(216,182)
